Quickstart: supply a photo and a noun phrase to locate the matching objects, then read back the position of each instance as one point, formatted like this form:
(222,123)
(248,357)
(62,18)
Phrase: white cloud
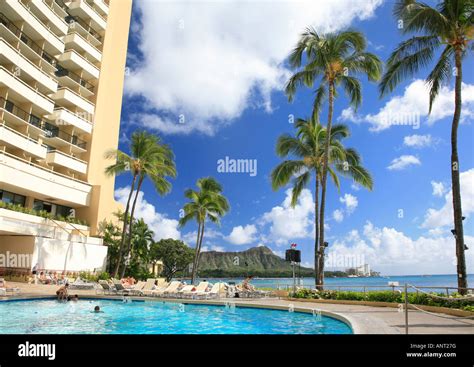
(350,201)
(212,248)
(412,107)
(209,61)
(287,223)
(355,186)
(403,162)
(438,188)
(435,218)
(392,252)
(338,215)
(418,141)
(162,226)
(242,235)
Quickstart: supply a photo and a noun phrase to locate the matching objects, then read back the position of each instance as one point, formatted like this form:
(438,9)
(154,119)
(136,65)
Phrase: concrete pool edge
(220,302)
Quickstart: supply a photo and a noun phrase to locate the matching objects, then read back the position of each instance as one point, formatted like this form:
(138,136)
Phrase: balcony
(37,180)
(27,46)
(15,115)
(19,223)
(10,55)
(61,159)
(63,116)
(73,61)
(100,6)
(15,11)
(73,81)
(69,99)
(74,41)
(56,137)
(14,139)
(48,16)
(76,24)
(83,10)
(22,92)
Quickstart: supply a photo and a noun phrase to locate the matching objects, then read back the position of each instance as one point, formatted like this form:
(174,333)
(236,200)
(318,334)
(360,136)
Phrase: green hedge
(389,296)
(40,213)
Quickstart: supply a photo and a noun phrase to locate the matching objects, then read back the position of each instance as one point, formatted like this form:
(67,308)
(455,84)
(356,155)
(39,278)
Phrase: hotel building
(62,67)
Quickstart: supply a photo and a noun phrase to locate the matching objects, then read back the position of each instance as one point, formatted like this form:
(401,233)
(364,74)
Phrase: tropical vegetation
(148,158)
(207,203)
(175,255)
(431,299)
(333,61)
(444,35)
(308,146)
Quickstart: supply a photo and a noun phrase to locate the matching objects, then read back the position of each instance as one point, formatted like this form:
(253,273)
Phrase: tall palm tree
(450,27)
(335,60)
(149,158)
(308,146)
(206,203)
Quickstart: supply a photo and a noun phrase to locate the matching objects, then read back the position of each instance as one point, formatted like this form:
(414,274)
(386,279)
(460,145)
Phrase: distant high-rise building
(62,66)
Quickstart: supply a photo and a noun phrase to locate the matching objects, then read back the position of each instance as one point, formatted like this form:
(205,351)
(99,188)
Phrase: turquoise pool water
(52,317)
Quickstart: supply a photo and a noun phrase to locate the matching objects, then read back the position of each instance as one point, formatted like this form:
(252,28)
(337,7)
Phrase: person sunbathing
(62,292)
(246,286)
(43,279)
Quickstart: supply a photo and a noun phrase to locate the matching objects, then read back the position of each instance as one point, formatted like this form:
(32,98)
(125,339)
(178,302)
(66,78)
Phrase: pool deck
(363,319)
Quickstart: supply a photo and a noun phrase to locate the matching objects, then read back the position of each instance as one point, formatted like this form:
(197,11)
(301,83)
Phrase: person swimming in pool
(97,309)
(62,292)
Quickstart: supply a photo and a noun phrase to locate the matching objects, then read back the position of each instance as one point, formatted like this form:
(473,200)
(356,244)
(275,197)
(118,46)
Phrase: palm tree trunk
(130,229)
(323,189)
(124,228)
(455,168)
(196,253)
(198,257)
(316,232)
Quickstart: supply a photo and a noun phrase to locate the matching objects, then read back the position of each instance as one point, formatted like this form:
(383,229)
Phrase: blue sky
(208,78)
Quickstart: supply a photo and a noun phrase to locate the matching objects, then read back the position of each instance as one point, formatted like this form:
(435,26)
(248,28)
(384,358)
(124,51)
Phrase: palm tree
(309,147)
(149,158)
(206,203)
(449,26)
(336,59)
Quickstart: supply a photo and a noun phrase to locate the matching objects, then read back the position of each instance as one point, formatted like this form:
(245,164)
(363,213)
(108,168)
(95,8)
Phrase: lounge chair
(181,293)
(106,288)
(4,289)
(214,292)
(138,289)
(120,288)
(148,288)
(199,289)
(171,288)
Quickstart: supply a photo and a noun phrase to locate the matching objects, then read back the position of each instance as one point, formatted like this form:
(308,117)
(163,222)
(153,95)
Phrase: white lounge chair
(199,289)
(4,289)
(181,293)
(214,292)
(171,288)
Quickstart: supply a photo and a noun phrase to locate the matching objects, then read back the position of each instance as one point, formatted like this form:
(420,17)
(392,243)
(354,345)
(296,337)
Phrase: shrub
(455,300)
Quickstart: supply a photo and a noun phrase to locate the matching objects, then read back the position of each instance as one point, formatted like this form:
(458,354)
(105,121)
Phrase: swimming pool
(151,317)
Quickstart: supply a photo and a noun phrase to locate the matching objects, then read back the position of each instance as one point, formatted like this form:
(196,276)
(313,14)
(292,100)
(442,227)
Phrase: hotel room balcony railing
(72,18)
(51,131)
(65,72)
(27,40)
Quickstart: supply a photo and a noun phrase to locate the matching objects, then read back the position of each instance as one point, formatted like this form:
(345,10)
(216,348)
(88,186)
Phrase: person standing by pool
(62,292)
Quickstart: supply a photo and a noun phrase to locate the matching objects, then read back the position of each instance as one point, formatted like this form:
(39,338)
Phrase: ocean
(357,284)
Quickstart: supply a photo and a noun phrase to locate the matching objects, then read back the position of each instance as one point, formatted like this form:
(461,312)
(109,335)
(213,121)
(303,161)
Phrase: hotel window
(35,120)
(42,206)
(9,106)
(11,198)
(64,211)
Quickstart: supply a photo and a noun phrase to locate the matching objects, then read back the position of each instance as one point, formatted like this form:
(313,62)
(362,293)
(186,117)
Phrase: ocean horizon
(440,281)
